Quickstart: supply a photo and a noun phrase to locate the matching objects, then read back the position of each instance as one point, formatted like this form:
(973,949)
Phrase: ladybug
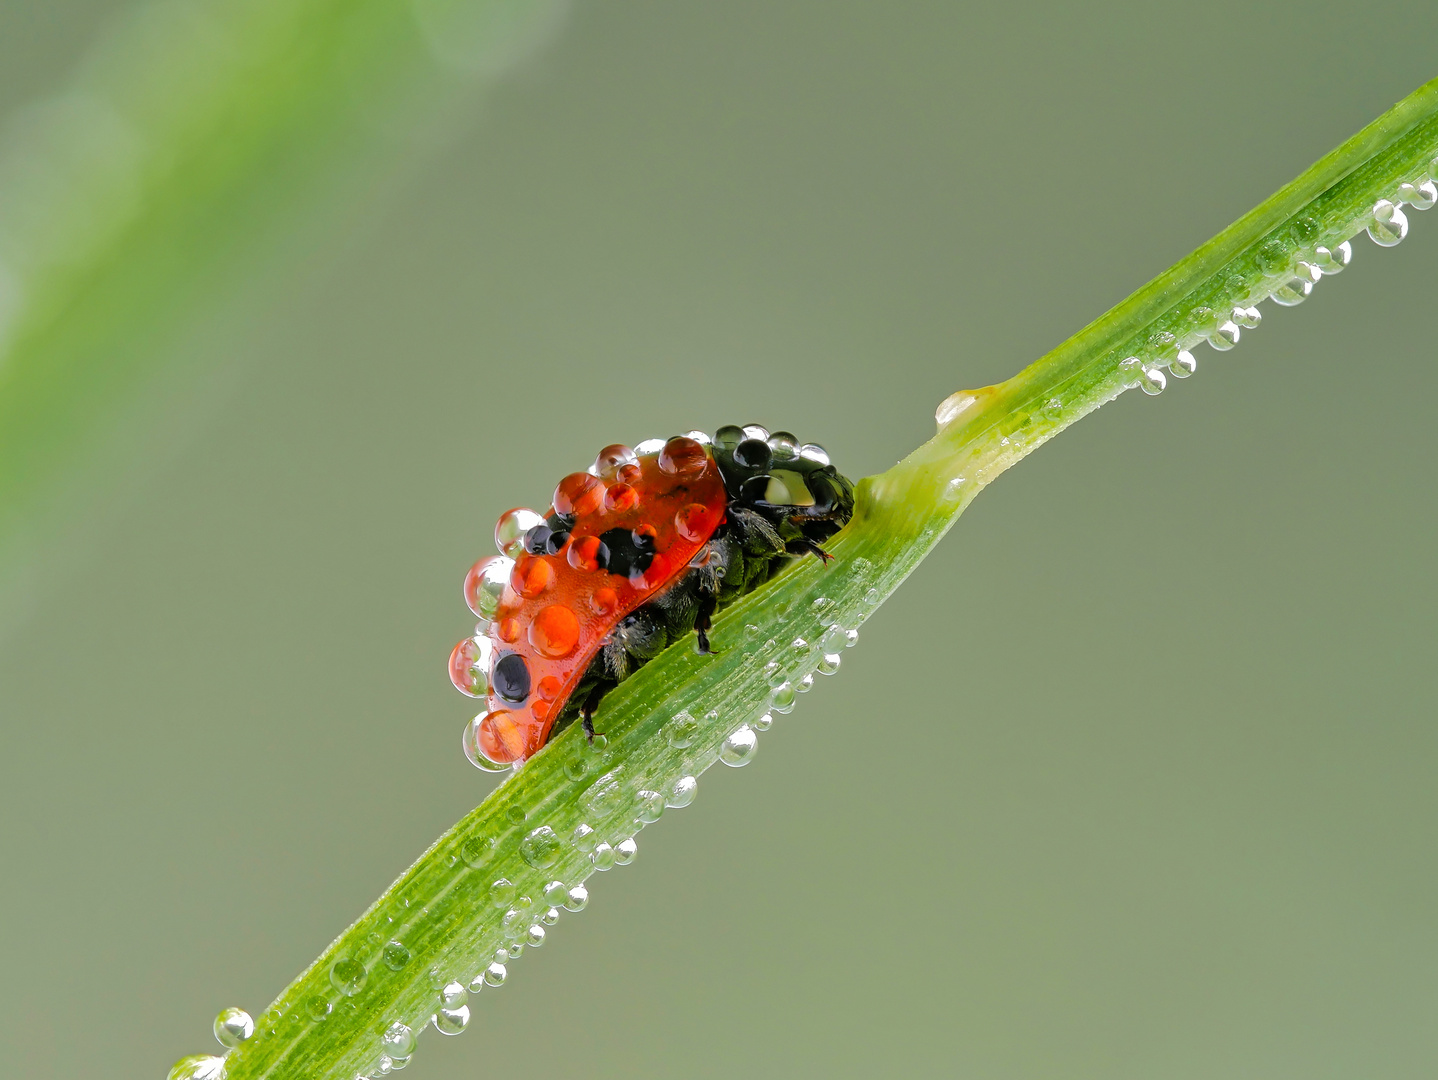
(633,555)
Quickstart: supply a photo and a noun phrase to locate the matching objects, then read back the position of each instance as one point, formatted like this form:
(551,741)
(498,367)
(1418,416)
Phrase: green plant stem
(670,722)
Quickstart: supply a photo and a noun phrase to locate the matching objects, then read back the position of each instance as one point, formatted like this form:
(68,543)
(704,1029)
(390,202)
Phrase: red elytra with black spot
(557,610)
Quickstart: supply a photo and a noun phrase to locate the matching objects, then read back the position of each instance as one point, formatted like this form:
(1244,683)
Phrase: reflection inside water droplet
(233,1026)
(741,745)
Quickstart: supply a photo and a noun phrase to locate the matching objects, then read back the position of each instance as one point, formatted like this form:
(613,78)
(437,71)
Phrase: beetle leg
(586,713)
(805,546)
(707,603)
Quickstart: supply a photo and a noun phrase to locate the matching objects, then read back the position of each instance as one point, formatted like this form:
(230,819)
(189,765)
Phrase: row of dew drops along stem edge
(622,805)
(1291,276)
(1290,281)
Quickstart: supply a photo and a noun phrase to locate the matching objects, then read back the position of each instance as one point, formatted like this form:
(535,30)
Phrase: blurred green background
(1135,777)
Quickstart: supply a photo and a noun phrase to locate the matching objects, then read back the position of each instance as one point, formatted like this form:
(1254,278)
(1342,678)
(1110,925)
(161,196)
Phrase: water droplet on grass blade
(1389,225)
(451,1021)
(348,976)
(197,1067)
(233,1026)
(1332,261)
(682,792)
(397,1041)
(603,857)
(577,899)
(1420,196)
(741,746)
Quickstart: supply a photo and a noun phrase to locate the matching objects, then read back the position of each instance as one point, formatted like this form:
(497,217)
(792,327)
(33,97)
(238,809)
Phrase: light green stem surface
(542,832)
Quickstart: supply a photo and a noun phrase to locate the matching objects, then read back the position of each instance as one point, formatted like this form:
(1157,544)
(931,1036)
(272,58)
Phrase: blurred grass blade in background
(197,139)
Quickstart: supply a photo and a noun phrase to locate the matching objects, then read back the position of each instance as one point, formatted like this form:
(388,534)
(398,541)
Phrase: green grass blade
(491,880)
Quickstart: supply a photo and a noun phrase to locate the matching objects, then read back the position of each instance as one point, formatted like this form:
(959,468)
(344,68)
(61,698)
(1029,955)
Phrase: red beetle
(633,555)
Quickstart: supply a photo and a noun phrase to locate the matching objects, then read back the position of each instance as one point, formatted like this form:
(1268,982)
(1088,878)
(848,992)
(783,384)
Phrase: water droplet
(784,445)
(774,672)
(651,807)
(683,457)
(1224,336)
(198,1067)
(555,892)
(612,458)
(317,1007)
(742,744)
(578,494)
(451,1021)
(576,768)
(682,792)
(541,848)
(1389,225)
(233,1026)
(1333,261)
(348,976)
(534,936)
(395,956)
(397,1040)
(387,1066)
(829,663)
(509,530)
(577,899)
(495,974)
(502,893)
(1297,288)
(804,685)
(1247,317)
(625,851)
(680,730)
(469,740)
(550,916)
(1273,256)
(599,745)
(1182,365)
(751,630)
(514,814)
(1420,196)
(851,638)
(756,431)
(515,918)
(1306,228)
(1151,380)
(603,857)
(605,795)
(764,722)
(476,984)
(781,699)
(583,839)
(554,631)
(469,666)
(815,453)
(484,584)
(452,995)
